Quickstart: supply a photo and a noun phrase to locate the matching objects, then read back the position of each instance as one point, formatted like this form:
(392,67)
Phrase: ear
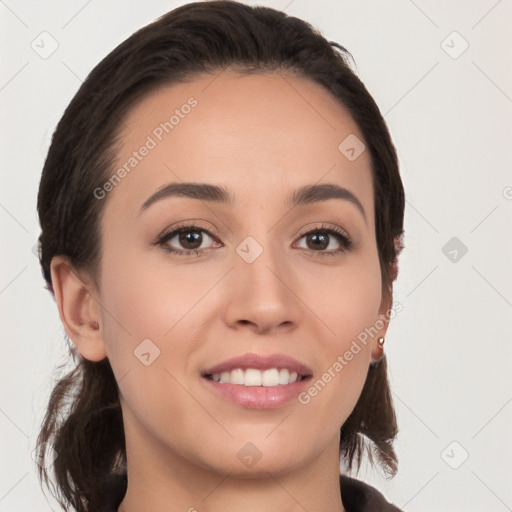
(382,324)
(79,309)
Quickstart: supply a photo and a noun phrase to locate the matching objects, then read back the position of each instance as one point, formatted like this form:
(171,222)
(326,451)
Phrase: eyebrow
(218,194)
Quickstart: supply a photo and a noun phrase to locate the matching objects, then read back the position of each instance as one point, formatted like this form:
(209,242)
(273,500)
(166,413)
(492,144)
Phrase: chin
(250,462)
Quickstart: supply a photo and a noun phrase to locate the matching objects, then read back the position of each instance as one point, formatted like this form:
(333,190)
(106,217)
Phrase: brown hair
(83,421)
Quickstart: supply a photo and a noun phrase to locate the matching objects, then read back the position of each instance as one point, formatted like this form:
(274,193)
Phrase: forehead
(260,135)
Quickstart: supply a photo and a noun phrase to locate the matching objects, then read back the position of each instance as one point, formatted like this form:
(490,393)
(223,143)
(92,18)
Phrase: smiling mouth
(253,377)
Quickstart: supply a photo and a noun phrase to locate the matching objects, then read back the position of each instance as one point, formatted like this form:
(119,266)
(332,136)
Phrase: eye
(189,239)
(325,237)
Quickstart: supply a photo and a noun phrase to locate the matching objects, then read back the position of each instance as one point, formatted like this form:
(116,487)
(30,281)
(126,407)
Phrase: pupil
(191,237)
(322,238)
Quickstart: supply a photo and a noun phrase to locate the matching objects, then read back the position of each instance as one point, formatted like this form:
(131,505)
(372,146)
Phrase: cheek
(348,305)
(153,314)
(149,339)
(346,299)
(144,299)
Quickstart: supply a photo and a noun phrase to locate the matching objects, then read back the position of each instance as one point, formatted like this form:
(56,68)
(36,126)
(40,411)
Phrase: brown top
(357,496)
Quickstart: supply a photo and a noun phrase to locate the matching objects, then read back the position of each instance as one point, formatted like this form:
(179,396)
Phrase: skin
(261,136)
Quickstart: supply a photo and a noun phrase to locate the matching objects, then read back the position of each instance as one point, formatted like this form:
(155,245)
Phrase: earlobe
(79,310)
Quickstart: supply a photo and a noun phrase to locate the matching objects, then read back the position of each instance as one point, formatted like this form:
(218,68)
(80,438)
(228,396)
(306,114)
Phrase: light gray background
(449,349)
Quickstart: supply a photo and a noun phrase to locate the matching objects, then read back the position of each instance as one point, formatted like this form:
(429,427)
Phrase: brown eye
(326,241)
(190,239)
(318,241)
(187,240)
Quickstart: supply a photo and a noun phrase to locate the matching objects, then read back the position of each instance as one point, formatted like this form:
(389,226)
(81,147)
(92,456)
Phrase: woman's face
(247,279)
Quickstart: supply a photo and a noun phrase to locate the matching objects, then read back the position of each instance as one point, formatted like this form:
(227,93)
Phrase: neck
(160,479)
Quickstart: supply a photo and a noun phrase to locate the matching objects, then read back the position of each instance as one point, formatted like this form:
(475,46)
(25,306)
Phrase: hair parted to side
(83,422)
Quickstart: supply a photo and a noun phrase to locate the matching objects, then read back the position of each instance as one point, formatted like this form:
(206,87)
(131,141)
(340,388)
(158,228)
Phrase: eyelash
(341,237)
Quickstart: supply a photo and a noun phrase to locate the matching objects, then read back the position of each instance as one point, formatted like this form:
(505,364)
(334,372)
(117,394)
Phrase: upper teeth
(253,377)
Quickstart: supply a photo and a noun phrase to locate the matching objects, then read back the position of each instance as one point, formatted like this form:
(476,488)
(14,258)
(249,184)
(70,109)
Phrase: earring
(374,362)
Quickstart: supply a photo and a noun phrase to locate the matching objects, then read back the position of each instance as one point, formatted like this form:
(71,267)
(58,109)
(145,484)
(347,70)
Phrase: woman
(221,215)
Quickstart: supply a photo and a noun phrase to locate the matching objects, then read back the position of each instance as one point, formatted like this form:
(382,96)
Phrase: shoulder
(358,496)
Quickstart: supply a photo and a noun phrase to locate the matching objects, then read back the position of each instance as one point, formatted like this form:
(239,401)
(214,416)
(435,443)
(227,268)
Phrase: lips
(247,361)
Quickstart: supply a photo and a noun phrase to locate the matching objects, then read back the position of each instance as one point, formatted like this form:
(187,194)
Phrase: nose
(262,294)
